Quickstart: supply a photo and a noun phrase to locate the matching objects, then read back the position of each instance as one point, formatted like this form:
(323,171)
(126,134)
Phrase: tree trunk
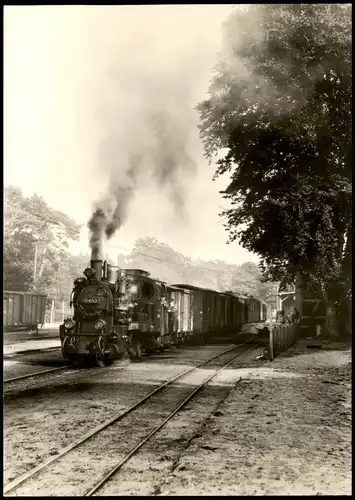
(41,266)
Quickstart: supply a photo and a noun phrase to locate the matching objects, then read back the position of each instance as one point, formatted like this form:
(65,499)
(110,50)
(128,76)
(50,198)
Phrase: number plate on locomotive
(90,300)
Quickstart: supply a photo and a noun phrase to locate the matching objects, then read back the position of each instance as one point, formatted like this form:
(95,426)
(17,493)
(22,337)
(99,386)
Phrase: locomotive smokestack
(97,265)
(97,225)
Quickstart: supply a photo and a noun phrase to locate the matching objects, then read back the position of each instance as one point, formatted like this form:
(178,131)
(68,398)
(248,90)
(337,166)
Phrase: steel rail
(35,374)
(28,352)
(113,471)
(29,474)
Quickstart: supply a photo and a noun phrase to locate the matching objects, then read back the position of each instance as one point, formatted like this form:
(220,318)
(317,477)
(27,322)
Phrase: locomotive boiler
(98,330)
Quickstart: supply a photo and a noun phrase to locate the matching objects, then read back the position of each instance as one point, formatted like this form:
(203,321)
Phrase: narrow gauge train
(118,312)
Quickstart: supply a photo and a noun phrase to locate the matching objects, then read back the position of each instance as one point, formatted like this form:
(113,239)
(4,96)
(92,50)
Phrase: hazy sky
(75,81)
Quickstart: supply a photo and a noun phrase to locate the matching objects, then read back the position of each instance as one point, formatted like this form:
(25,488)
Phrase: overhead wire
(56,222)
(39,216)
(168,261)
(119,246)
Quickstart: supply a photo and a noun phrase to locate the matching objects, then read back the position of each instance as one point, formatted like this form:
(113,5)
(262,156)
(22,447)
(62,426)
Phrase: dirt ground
(284,429)
(43,416)
(258,428)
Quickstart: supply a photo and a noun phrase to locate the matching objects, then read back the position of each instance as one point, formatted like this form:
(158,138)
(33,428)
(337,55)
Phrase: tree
(162,261)
(165,263)
(35,232)
(279,115)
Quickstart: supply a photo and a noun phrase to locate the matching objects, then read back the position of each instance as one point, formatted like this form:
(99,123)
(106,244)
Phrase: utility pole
(271,334)
(35,264)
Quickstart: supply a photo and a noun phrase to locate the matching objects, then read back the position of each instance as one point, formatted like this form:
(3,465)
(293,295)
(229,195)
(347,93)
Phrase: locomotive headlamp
(99,325)
(69,324)
(78,281)
(89,272)
(133,289)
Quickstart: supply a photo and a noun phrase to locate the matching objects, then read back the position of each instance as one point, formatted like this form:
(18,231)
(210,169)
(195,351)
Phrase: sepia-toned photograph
(177,250)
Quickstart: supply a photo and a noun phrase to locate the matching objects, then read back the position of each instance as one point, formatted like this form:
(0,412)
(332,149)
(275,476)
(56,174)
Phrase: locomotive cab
(146,329)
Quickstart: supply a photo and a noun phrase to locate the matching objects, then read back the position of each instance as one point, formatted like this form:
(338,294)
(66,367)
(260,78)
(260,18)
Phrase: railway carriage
(180,314)
(254,313)
(23,310)
(202,311)
(215,313)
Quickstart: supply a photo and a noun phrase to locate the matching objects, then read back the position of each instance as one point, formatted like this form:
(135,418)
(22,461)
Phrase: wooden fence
(282,336)
(58,311)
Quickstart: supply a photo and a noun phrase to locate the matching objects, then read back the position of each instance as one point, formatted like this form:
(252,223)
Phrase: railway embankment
(285,428)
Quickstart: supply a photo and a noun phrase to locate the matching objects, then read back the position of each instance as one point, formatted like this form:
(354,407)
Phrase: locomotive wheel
(135,351)
(138,351)
(125,355)
(70,357)
(130,352)
(100,361)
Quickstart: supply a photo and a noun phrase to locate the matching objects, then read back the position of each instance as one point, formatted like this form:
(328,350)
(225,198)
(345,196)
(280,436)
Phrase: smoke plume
(152,78)
(97,225)
(154,148)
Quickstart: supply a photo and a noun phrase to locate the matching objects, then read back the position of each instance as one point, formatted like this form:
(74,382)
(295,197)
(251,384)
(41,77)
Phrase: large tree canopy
(36,239)
(279,117)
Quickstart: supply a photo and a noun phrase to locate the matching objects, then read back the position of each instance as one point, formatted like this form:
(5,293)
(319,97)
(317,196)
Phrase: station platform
(23,340)
(30,346)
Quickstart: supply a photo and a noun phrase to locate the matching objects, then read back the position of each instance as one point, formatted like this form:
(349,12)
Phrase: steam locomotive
(127,312)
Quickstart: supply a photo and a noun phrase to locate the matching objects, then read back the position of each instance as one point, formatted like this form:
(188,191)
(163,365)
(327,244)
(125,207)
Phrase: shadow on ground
(315,345)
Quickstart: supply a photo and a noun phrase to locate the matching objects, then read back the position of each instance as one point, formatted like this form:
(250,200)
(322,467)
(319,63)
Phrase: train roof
(144,274)
(140,272)
(178,288)
(237,295)
(193,287)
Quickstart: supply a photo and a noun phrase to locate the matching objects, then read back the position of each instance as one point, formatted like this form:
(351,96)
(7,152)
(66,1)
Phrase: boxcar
(24,310)
(200,304)
(179,314)
(254,315)
(214,312)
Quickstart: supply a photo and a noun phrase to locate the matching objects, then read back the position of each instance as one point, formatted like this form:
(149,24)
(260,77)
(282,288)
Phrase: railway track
(70,369)
(29,352)
(26,477)
(35,374)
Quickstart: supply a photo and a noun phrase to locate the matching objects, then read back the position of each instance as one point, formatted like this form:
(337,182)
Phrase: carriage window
(147,290)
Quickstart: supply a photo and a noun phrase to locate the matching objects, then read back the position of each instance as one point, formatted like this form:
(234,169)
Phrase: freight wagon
(214,312)
(23,310)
